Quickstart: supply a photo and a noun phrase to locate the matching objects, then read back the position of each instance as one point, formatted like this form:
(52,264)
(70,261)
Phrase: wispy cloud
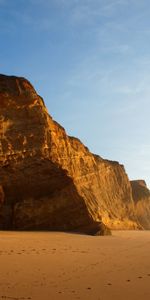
(89,11)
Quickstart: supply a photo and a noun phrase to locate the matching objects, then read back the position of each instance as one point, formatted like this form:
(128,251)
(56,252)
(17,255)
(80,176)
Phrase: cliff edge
(52,181)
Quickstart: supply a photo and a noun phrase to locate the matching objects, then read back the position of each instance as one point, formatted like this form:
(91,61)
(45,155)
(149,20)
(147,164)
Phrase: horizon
(90,62)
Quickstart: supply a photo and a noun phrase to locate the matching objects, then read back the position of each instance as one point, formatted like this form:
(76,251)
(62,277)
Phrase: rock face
(50,180)
(141,197)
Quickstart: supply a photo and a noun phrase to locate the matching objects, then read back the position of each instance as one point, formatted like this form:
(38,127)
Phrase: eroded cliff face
(141,197)
(50,180)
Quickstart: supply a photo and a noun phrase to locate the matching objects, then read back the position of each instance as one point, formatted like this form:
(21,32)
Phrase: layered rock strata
(141,197)
(52,181)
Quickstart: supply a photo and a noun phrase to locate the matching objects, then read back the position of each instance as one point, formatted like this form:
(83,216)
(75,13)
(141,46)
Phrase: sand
(50,265)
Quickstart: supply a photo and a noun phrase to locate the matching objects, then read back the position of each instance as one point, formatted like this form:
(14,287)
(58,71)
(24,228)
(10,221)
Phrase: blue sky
(90,61)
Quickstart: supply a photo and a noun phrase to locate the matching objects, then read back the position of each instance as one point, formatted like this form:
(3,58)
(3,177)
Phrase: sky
(90,61)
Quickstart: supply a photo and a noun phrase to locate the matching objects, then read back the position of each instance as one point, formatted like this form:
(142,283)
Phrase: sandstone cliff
(141,197)
(50,180)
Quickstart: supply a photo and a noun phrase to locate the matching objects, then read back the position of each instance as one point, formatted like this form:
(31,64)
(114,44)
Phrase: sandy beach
(52,265)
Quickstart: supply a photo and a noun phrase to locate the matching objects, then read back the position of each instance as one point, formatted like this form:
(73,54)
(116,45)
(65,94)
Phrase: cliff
(141,197)
(50,180)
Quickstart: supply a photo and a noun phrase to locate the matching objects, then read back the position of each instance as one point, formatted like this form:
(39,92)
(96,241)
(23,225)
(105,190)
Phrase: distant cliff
(52,181)
(141,197)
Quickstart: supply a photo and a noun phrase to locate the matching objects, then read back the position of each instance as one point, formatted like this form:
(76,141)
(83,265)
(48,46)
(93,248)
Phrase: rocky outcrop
(141,197)
(50,180)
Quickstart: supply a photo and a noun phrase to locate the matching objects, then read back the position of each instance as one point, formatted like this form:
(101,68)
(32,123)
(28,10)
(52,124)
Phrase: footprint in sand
(140,277)
(109,283)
